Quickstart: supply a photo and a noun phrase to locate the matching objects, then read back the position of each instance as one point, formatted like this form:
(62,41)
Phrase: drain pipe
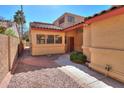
(107,68)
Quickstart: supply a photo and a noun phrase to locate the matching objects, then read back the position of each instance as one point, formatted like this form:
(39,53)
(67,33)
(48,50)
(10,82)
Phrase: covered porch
(74,38)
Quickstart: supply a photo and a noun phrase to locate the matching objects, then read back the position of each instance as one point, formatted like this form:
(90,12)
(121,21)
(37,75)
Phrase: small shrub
(7,31)
(2,29)
(10,32)
(78,57)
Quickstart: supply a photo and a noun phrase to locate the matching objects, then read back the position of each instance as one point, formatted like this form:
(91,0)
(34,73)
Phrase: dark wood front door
(71,44)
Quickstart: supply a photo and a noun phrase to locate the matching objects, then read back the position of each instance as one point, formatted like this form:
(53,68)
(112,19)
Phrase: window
(40,39)
(61,20)
(50,39)
(71,19)
(58,39)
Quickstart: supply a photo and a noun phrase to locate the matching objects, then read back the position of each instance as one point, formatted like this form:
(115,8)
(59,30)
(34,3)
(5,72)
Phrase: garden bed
(78,57)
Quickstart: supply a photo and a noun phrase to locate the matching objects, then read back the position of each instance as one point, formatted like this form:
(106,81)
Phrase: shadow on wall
(8,54)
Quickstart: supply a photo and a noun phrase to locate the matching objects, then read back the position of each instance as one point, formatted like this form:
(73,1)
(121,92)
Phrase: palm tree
(19,18)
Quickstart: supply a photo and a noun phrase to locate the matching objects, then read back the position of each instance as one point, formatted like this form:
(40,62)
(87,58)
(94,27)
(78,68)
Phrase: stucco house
(59,37)
(100,37)
(103,45)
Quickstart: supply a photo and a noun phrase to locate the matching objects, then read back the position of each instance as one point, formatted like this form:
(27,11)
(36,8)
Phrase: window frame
(47,39)
(58,38)
(38,41)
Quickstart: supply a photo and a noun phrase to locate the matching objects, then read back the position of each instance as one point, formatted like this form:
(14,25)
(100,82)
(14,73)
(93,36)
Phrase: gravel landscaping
(40,72)
(44,78)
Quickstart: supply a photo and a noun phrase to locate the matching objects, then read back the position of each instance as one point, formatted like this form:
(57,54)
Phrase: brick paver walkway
(31,63)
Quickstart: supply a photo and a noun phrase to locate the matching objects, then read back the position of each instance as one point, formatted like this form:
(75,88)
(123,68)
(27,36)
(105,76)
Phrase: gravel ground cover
(44,78)
(40,72)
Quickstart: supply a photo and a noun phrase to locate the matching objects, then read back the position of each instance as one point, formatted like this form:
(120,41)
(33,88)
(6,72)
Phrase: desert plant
(78,57)
(10,32)
(19,18)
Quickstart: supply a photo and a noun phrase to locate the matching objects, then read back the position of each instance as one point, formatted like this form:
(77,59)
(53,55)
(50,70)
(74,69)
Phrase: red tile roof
(44,25)
(104,11)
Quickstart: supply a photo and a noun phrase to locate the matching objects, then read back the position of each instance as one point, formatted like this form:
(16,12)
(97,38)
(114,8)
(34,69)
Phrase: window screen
(50,39)
(58,39)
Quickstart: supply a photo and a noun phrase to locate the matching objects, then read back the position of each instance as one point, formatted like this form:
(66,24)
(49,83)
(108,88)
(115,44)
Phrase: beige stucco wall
(78,39)
(106,45)
(8,54)
(4,65)
(13,50)
(114,58)
(87,41)
(45,49)
(108,33)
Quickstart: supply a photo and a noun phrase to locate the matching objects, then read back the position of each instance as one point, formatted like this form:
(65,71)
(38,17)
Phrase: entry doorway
(70,44)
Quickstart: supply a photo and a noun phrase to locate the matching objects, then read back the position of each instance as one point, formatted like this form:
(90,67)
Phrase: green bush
(2,30)
(7,31)
(78,57)
(10,32)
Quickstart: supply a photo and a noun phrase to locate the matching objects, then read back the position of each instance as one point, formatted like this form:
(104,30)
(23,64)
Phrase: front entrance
(71,44)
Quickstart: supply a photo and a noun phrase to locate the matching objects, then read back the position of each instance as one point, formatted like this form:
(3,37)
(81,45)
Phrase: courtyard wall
(8,54)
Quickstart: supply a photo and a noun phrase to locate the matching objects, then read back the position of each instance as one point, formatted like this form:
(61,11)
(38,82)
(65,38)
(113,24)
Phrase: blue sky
(49,13)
